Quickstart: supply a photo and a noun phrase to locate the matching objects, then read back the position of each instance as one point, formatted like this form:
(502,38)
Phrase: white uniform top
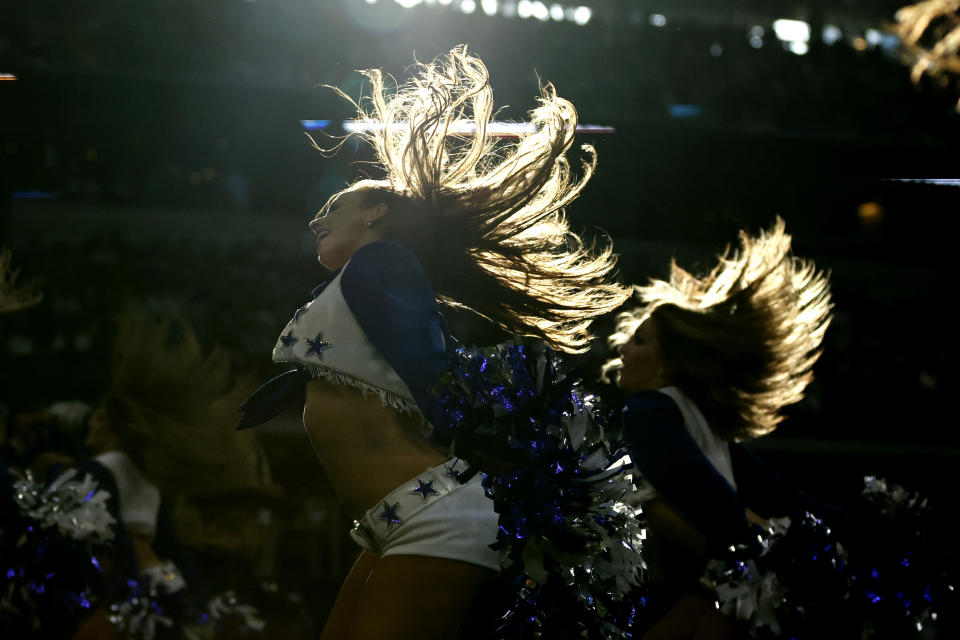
(324,336)
(139,499)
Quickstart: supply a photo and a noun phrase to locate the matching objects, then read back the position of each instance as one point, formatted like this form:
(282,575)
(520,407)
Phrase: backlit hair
(173,407)
(484,216)
(742,340)
(930,39)
(14,297)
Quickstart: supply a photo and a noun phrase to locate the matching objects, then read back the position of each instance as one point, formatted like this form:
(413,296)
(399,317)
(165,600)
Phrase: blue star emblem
(299,312)
(424,489)
(389,514)
(289,339)
(318,345)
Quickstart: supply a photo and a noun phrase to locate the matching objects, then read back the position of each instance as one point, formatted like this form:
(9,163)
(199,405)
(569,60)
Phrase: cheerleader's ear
(376,214)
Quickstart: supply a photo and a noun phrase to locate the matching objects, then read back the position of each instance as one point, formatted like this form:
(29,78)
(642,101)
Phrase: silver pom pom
(77,508)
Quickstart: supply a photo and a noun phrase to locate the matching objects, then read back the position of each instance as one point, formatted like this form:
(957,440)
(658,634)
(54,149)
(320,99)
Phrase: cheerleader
(162,440)
(466,221)
(707,363)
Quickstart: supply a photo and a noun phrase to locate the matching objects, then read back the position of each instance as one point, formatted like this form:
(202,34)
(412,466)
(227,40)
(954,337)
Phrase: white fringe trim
(387,398)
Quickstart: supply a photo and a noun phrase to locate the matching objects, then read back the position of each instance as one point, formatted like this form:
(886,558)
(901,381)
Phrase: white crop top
(325,338)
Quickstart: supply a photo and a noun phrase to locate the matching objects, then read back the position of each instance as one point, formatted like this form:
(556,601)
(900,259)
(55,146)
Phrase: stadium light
(495,129)
(792,30)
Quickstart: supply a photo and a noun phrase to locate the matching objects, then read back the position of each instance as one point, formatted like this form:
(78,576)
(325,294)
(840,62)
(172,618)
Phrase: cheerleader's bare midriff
(367,449)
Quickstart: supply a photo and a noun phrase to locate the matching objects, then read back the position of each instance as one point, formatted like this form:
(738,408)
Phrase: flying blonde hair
(172,406)
(929,34)
(14,297)
(742,340)
(486,217)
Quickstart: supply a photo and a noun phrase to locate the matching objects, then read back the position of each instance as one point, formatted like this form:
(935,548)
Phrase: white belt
(404,502)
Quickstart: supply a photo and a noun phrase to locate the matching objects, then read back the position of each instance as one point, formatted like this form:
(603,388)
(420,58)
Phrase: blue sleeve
(393,302)
(668,457)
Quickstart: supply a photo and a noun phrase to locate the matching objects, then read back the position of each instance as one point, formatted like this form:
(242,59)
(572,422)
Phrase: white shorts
(434,515)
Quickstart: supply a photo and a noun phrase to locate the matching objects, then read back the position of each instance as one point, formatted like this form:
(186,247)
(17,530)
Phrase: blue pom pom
(573,548)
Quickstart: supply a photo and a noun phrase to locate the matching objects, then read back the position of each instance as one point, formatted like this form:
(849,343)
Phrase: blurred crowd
(224,555)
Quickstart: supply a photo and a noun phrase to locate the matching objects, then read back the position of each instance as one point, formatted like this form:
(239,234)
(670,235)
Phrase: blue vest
(374,324)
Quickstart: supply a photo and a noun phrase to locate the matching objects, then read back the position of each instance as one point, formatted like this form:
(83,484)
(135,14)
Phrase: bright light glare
(873,37)
(540,11)
(543,10)
(756,42)
(944,182)
(313,125)
(463,127)
(595,128)
(832,33)
(716,50)
(7,77)
(889,41)
(658,19)
(757,31)
(791,30)
(799,48)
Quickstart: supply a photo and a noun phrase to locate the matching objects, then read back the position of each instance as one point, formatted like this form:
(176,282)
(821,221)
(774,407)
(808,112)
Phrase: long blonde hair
(13,296)
(484,217)
(930,39)
(172,406)
(742,340)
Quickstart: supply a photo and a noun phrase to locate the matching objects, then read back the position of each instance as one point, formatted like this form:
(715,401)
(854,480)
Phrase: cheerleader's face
(343,225)
(642,363)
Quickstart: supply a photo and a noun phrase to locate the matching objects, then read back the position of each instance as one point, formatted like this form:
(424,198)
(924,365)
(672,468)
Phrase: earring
(370,224)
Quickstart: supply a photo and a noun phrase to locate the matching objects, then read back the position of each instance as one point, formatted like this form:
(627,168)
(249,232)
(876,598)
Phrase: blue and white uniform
(375,326)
